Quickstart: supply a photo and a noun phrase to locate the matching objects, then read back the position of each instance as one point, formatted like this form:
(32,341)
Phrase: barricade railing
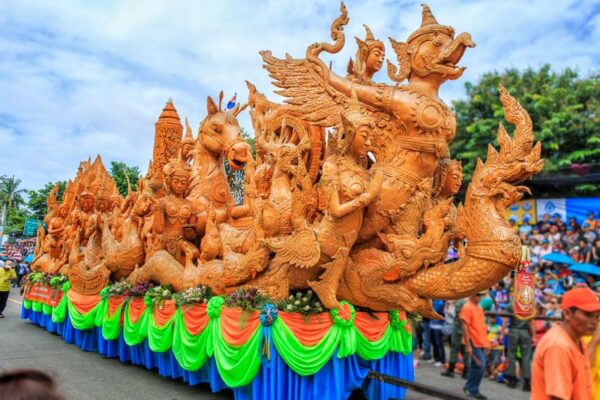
(414,386)
(505,315)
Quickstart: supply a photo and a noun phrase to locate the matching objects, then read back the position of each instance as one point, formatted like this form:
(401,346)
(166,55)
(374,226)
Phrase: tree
(564,109)
(15,221)
(250,140)
(11,197)
(236,178)
(38,199)
(118,169)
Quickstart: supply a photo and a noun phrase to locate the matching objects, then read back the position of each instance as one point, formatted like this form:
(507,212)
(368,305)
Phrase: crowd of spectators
(17,250)
(14,255)
(513,341)
(578,239)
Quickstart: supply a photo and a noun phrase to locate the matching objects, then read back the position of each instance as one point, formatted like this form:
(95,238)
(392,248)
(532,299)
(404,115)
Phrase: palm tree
(10,195)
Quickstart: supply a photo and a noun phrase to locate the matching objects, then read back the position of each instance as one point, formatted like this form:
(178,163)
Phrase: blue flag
(231,103)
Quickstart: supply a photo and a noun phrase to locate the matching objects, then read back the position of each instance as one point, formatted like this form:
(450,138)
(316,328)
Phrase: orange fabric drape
(402,317)
(237,326)
(344,312)
(372,329)
(113,304)
(83,303)
(136,308)
(164,313)
(195,318)
(308,329)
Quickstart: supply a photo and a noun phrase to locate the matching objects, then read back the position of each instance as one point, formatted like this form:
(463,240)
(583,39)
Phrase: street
(87,375)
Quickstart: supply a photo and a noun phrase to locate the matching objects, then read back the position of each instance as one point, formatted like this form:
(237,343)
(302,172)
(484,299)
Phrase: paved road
(82,375)
(429,375)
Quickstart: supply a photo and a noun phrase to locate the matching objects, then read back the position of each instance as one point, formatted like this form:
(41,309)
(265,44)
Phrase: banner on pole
(552,207)
(31,226)
(522,211)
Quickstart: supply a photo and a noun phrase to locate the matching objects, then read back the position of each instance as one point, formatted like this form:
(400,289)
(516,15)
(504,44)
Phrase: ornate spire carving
(167,135)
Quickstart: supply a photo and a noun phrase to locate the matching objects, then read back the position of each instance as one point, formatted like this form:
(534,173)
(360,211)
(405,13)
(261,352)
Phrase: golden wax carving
(350,194)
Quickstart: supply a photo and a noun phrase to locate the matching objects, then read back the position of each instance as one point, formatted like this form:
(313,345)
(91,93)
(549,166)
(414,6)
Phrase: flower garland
(199,294)
(302,302)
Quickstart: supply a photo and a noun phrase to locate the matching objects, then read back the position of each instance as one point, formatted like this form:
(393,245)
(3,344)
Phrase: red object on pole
(524,296)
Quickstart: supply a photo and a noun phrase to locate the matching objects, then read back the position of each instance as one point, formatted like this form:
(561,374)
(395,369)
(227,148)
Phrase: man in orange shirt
(477,344)
(561,367)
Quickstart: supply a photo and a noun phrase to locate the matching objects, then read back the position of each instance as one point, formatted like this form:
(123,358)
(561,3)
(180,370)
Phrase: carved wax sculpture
(369,59)
(167,136)
(321,213)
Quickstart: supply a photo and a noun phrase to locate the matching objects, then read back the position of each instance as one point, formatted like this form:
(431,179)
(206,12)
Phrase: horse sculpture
(219,137)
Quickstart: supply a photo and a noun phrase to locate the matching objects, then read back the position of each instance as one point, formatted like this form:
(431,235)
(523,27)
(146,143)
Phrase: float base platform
(264,374)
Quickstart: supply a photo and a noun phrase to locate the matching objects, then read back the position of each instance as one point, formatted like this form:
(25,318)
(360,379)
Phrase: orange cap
(581,298)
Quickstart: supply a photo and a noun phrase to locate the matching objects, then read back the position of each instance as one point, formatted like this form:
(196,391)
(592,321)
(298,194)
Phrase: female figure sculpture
(369,59)
(86,203)
(95,223)
(447,182)
(447,179)
(56,230)
(348,190)
(175,220)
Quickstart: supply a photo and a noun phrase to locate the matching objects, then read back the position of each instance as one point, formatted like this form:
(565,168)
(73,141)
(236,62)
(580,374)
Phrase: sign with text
(31,226)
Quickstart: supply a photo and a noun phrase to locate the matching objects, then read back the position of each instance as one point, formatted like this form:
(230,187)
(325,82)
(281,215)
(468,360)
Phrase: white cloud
(80,78)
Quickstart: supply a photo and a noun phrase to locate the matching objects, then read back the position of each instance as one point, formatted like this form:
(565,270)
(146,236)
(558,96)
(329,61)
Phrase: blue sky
(81,78)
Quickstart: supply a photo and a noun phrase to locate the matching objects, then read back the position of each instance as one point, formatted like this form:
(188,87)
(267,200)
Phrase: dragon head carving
(517,160)
(431,49)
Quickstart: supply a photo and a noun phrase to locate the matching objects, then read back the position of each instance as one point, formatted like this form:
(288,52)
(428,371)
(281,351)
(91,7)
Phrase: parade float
(303,286)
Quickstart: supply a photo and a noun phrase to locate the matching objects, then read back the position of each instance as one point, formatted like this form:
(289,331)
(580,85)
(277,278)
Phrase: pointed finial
(188,130)
(170,100)
(427,16)
(429,25)
(354,105)
(369,33)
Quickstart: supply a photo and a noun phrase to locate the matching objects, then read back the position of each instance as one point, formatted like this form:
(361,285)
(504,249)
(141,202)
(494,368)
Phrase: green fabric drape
(135,333)
(304,360)
(190,351)
(402,341)
(237,365)
(59,313)
(111,324)
(160,338)
(373,350)
(87,321)
(395,338)
(343,336)
(213,310)
(101,310)
(27,304)
(36,306)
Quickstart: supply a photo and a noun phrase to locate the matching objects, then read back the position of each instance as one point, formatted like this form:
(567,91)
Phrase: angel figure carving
(348,189)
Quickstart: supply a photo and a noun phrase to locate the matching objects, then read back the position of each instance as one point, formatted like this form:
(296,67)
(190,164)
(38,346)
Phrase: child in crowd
(496,356)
